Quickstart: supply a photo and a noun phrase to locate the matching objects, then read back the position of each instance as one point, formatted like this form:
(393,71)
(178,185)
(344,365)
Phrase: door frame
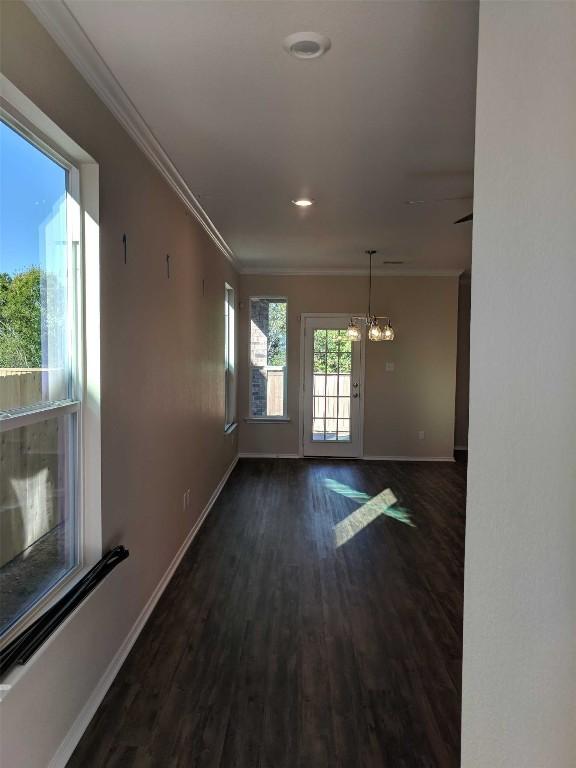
(362,377)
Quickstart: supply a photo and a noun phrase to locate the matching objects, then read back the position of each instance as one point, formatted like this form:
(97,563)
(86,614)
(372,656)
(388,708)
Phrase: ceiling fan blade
(469,217)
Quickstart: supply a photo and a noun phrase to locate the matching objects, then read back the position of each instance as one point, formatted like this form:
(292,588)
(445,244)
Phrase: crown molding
(347,272)
(63,27)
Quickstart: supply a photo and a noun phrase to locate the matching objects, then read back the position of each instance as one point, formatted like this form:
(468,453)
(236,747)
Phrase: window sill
(267,419)
(29,641)
(230,428)
(67,582)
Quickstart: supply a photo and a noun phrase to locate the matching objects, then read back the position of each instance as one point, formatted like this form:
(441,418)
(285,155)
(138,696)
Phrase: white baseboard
(408,458)
(88,711)
(362,458)
(269,456)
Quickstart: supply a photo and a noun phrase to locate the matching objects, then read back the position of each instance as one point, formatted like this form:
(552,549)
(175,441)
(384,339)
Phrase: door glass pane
(343,407)
(345,362)
(37,532)
(331,429)
(320,341)
(332,370)
(319,385)
(344,385)
(35,276)
(331,407)
(317,429)
(320,363)
(332,386)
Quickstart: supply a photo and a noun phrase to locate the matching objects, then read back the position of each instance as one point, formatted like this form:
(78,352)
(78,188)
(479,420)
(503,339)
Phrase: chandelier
(376,332)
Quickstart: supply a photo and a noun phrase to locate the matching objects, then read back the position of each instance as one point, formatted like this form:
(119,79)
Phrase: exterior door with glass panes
(332,392)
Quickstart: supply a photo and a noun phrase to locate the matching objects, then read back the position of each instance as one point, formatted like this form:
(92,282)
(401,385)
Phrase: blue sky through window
(32,187)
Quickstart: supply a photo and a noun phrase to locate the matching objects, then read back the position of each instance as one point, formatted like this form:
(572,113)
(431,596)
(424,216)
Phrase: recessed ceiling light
(307,45)
(303,202)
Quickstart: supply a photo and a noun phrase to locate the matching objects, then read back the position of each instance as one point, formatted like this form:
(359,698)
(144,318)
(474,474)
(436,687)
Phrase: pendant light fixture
(375,331)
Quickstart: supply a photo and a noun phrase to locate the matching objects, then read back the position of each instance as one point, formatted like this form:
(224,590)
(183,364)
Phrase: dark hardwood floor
(295,636)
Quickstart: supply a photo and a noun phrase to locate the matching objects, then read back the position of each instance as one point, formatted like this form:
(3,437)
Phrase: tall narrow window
(229,358)
(40,396)
(268,362)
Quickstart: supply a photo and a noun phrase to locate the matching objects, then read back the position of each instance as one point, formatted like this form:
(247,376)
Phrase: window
(42,374)
(268,362)
(229,358)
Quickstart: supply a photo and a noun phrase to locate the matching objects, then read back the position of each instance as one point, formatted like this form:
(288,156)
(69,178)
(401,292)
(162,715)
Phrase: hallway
(309,625)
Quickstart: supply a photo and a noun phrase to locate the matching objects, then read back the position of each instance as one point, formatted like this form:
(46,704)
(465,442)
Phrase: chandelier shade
(353,332)
(374,331)
(388,332)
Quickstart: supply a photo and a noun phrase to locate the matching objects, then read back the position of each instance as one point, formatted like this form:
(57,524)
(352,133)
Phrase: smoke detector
(307,45)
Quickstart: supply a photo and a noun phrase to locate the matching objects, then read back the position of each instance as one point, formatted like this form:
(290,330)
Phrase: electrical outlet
(421,435)
(389,366)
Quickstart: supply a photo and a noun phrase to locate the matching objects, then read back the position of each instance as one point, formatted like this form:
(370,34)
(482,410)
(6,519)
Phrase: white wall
(519,677)
(418,395)
(162,353)
(462,363)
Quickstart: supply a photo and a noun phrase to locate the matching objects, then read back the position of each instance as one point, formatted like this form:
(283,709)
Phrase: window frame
(252,417)
(230,374)
(83,401)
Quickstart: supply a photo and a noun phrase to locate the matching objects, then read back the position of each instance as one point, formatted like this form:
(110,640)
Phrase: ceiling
(385,116)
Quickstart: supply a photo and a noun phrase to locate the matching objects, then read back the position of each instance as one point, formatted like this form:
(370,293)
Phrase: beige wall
(519,671)
(162,389)
(463,363)
(418,395)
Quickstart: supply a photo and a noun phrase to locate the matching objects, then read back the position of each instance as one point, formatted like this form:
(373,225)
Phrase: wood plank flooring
(272,647)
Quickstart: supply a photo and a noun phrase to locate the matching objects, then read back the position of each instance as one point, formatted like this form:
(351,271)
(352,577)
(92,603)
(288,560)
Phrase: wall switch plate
(421,435)
(389,366)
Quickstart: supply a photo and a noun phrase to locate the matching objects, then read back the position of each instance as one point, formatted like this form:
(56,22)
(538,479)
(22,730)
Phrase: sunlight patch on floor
(346,490)
(382,504)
